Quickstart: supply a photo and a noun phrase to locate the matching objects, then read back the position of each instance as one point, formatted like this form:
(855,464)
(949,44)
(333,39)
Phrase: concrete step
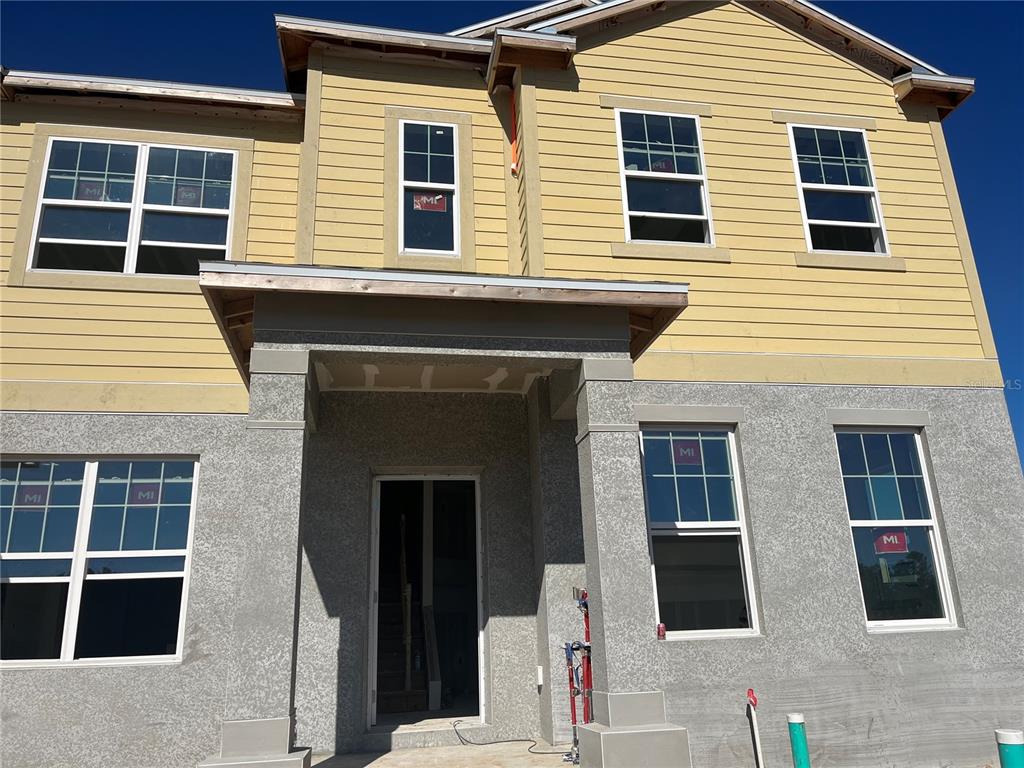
(297,759)
(386,741)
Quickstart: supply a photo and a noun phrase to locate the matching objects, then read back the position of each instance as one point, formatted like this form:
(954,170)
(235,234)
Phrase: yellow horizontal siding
(348,220)
(745,67)
(164,350)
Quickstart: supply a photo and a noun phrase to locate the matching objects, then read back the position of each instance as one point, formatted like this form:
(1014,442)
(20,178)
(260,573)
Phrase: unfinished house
(318,404)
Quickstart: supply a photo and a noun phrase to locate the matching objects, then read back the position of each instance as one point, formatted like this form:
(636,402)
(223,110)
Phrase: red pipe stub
(752,698)
(661,631)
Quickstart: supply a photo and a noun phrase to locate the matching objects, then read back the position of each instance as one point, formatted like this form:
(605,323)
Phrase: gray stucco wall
(153,716)
(363,434)
(907,699)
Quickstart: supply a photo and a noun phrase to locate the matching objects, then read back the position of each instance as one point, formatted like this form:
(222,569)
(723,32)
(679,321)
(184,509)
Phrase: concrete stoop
(257,744)
(631,729)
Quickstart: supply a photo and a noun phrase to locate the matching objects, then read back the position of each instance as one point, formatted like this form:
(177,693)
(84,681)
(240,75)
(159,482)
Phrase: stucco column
(628,720)
(558,553)
(259,687)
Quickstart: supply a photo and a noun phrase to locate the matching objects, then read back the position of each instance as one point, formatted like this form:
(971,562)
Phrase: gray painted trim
(877,417)
(288,361)
(705,414)
(270,424)
(605,428)
(605,369)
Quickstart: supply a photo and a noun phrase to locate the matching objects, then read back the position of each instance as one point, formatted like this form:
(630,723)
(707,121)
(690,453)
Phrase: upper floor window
(899,558)
(94,557)
(429,189)
(133,207)
(664,184)
(838,196)
(699,551)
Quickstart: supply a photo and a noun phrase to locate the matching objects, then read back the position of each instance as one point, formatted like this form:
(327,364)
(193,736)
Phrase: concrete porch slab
(493,756)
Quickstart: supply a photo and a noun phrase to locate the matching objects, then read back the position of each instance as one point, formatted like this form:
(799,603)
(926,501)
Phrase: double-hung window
(838,196)
(664,184)
(899,558)
(428,187)
(94,557)
(698,540)
(128,207)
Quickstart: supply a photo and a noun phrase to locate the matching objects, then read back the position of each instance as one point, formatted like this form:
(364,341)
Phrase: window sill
(828,260)
(435,262)
(894,629)
(675,251)
(119,661)
(37,278)
(711,634)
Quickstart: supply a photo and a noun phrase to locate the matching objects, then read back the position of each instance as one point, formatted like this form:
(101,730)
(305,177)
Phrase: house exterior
(318,404)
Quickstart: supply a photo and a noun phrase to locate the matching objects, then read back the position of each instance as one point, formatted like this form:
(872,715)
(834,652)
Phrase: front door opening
(427,664)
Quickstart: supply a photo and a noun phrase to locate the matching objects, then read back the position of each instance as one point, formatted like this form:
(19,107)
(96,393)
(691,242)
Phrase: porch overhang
(230,289)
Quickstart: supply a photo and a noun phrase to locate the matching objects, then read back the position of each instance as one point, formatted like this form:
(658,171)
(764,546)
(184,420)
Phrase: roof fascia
(519,18)
(55,81)
(574,20)
(333,30)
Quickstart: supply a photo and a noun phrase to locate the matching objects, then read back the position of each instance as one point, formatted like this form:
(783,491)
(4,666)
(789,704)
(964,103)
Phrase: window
(699,550)
(428,188)
(837,191)
(133,208)
(94,557)
(902,574)
(663,182)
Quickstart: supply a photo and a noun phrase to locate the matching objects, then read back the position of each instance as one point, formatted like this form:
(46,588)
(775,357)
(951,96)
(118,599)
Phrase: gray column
(558,554)
(259,689)
(628,720)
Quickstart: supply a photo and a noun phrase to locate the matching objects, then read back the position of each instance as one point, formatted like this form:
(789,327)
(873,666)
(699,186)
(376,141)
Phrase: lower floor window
(93,558)
(892,519)
(702,575)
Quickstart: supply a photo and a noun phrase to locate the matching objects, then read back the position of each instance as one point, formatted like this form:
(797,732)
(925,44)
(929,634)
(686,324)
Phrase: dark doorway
(427,610)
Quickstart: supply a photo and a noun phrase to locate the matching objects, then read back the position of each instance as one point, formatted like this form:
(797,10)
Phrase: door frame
(371,649)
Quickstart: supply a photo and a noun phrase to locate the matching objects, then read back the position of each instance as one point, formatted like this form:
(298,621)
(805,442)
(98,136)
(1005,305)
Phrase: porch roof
(230,289)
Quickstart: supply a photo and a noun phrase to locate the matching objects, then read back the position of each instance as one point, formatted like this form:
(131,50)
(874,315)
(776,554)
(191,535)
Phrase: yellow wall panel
(149,351)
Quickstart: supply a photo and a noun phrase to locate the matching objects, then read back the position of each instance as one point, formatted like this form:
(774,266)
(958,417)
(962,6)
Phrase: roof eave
(22,81)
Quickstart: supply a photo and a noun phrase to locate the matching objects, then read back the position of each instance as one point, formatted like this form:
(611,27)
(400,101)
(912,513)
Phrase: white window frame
(136,208)
(738,527)
(77,577)
(403,184)
(876,201)
(938,547)
(702,178)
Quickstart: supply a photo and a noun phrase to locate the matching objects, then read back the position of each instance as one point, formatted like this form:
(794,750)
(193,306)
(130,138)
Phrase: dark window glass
(904,453)
(170,260)
(700,582)
(88,258)
(96,565)
(858,498)
(876,448)
(105,529)
(668,230)
(839,206)
(897,573)
(84,223)
(693,505)
(661,500)
(429,220)
(32,620)
(825,237)
(185,228)
(851,454)
(128,617)
(10,568)
(139,528)
(26,530)
(664,196)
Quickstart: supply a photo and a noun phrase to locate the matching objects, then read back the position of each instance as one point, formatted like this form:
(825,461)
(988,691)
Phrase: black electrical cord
(531,749)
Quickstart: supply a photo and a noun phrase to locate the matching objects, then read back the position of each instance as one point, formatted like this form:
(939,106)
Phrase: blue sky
(233,43)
